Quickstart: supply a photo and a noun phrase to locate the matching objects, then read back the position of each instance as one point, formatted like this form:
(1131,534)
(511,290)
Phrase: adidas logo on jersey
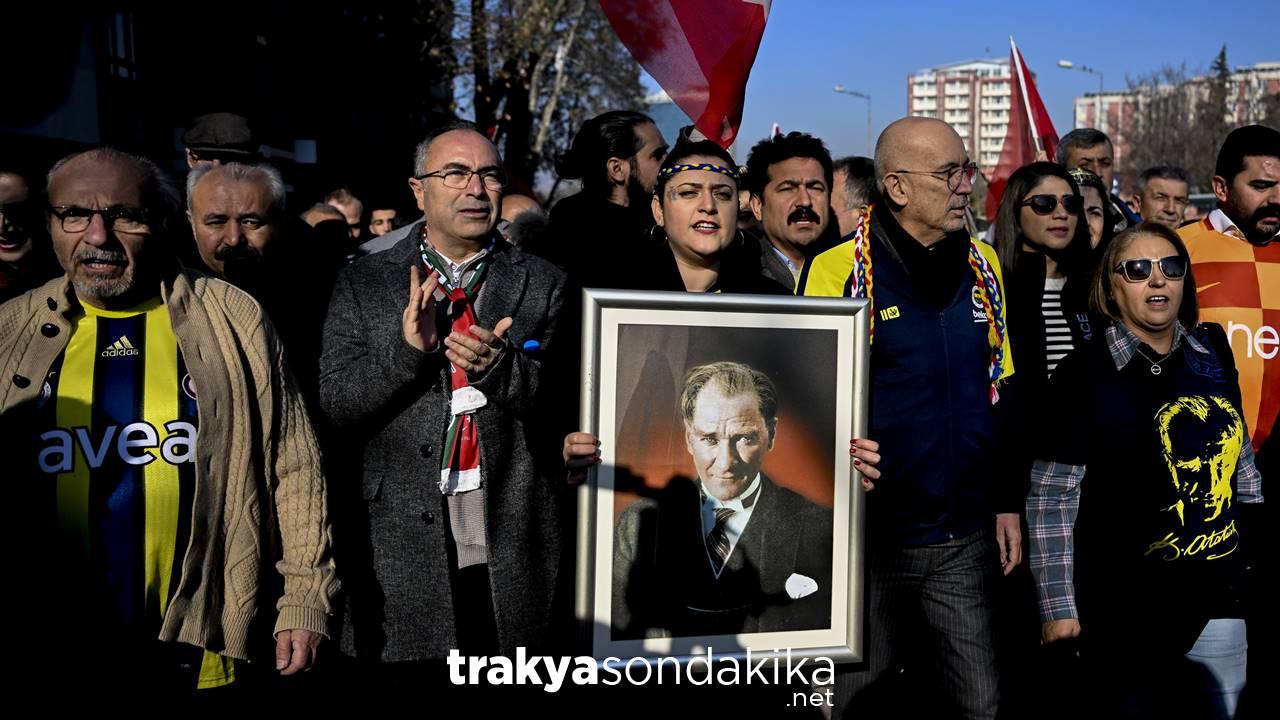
(120,348)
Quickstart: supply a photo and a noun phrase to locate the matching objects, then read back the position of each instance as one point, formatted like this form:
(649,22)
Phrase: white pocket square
(799,586)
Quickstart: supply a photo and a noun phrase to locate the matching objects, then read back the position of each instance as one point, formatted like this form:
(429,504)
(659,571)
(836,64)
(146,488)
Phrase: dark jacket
(587,236)
(663,582)
(654,268)
(390,403)
(1026,317)
(940,436)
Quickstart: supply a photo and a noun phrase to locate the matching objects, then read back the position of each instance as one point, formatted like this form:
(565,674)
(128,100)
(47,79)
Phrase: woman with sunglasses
(1142,497)
(1043,244)
(1042,240)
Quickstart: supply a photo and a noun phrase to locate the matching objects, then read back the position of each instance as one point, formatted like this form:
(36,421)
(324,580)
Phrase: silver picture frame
(617,326)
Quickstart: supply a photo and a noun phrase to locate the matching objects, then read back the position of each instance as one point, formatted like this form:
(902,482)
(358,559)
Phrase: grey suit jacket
(773,267)
(388,404)
(663,583)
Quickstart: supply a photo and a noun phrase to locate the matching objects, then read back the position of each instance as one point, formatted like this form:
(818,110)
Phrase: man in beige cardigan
(162,457)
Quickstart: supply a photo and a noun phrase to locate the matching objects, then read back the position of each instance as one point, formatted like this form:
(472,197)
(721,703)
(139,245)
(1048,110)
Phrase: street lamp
(1068,65)
(840,89)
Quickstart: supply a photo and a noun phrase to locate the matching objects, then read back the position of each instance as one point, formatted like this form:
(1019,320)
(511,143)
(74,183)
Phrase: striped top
(1057,334)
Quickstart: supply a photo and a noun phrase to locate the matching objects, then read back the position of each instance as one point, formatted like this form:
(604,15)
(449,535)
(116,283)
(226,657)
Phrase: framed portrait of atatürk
(726,514)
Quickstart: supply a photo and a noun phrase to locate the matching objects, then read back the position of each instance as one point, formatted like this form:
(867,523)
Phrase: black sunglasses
(1173,267)
(1045,204)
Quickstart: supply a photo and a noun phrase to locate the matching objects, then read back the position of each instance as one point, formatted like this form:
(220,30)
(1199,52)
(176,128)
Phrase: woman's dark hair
(611,134)
(1101,293)
(685,150)
(1007,232)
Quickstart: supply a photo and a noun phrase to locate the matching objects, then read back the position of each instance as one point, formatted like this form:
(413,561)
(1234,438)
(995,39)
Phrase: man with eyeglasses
(160,458)
(433,372)
(943,519)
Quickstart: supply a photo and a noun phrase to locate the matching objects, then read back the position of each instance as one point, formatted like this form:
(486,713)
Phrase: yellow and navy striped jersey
(118,447)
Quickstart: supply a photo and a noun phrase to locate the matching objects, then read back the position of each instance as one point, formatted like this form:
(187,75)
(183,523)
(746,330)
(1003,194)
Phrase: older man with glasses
(433,355)
(943,521)
(160,457)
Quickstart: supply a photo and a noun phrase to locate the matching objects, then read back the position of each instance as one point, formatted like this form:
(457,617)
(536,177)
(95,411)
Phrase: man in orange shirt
(1235,256)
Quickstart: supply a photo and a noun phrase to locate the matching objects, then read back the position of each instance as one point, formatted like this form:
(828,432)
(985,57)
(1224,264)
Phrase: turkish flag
(699,51)
(1030,131)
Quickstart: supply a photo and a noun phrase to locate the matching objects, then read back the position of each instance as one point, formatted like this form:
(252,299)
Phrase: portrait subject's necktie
(718,540)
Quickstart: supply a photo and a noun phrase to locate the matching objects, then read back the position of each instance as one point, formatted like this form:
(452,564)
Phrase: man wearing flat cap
(219,138)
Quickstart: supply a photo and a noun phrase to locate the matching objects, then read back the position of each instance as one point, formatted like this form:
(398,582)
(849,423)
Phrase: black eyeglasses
(953,176)
(459,179)
(1173,267)
(121,219)
(1046,204)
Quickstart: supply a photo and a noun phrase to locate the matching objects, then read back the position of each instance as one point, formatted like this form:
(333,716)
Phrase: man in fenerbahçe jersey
(112,430)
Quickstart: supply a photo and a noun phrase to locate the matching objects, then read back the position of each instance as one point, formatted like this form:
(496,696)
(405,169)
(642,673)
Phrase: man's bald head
(514,205)
(908,142)
(923,173)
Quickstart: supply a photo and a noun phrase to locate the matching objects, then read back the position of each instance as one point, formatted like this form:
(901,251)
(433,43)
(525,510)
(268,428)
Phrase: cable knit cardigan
(258,467)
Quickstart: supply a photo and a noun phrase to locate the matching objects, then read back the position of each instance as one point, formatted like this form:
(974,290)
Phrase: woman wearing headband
(697,248)
(696,245)
(1142,496)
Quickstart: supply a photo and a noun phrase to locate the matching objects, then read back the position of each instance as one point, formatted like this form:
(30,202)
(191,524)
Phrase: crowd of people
(227,449)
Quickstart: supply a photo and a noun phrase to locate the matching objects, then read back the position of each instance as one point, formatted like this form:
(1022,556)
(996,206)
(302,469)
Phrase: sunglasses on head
(1045,204)
(1173,267)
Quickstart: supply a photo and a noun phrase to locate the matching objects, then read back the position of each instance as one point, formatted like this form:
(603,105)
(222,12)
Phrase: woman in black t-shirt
(1139,499)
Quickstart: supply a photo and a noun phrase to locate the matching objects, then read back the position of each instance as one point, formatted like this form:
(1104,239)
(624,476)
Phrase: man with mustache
(159,451)
(243,235)
(789,178)
(235,212)
(943,520)
(432,368)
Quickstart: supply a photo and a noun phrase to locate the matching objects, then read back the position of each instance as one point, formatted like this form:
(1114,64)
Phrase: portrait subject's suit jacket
(388,405)
(663,583)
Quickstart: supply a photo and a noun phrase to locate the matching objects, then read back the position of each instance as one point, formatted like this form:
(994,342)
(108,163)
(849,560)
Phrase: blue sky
(810,46)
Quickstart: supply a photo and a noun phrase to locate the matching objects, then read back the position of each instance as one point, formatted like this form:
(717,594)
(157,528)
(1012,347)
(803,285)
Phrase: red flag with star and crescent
(1030,130)
(699,51)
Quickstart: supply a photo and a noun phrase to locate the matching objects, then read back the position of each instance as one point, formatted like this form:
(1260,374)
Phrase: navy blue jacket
(943,475)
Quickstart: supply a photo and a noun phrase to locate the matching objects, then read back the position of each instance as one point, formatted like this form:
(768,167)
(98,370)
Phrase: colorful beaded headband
(666,172)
